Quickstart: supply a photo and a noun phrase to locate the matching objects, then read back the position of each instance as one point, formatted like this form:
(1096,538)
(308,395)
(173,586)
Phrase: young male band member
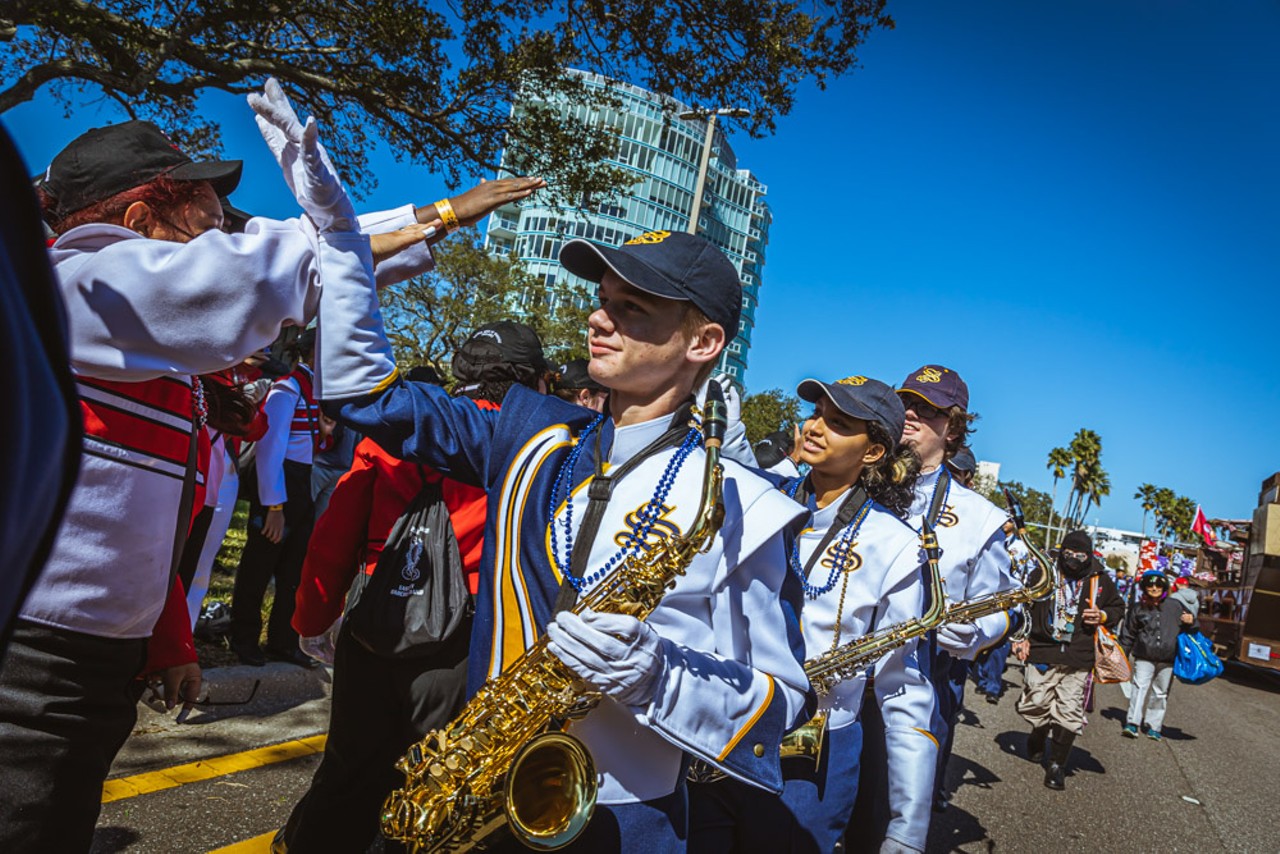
(573,495)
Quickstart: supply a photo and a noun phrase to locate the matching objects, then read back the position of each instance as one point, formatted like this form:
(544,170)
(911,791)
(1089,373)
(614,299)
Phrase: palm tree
(1165,499)
(1059,459)
(1147,494)
(1086,452)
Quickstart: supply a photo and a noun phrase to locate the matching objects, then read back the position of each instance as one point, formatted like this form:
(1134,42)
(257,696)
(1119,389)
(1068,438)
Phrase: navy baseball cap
(670,264)
(103,162)
(863,398)
(938,385)
(499,351)
(963,461)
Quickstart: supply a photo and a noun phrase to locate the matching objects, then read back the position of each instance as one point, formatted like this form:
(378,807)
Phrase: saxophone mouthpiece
(1015,509)
(715,415)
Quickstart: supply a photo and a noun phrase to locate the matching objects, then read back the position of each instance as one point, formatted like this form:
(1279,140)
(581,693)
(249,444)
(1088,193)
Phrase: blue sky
(1074,205)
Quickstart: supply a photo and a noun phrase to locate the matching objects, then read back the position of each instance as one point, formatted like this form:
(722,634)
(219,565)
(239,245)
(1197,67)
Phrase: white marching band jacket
(144,316)
(886,586)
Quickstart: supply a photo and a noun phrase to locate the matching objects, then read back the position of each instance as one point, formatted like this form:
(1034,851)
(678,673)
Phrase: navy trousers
(988,670)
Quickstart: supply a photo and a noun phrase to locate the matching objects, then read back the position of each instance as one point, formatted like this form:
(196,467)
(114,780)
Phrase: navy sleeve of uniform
(421,423)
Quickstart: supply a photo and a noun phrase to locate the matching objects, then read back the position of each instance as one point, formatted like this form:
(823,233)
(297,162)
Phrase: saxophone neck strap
(600,491)
(853,502)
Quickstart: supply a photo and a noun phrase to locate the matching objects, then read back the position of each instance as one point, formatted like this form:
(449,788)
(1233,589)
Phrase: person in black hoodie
(1150,638)
(1059,653)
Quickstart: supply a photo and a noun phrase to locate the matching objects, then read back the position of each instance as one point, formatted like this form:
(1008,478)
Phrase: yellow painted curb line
(256,845)
(207,769)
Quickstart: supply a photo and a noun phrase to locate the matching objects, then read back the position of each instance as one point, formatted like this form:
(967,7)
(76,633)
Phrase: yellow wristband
(275,507)
(447,215)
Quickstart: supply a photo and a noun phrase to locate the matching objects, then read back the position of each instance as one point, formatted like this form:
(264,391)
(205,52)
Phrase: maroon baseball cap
(103,162)
(939,386)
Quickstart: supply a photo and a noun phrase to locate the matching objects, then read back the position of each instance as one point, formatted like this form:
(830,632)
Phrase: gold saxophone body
(504,763)
(831,668)
(1003,600)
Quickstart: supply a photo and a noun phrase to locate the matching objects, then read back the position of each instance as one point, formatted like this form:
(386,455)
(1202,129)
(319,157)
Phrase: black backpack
(417,596)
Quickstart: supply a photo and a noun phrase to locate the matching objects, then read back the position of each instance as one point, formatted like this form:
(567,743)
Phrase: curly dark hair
(230,411)
(891,480)
(959,429)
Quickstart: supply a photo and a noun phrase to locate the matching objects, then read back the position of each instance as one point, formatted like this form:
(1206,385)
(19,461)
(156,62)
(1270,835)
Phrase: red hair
(163,195)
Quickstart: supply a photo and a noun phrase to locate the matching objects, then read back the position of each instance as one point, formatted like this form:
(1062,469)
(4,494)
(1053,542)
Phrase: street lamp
(700,186)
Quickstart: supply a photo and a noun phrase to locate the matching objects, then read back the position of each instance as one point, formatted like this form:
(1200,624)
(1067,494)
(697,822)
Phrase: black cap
(1077,541)
(963,461)
(574,375)
(938,385)
(103,162)
(505,350)
(670,264)
(233,218)
(860,397)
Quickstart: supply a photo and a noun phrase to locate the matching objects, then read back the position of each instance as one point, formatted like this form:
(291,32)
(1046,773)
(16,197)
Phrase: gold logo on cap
(851,381)
(648,237)
(929,375)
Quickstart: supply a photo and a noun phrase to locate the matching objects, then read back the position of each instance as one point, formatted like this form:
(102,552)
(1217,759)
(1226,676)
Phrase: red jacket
(364,506)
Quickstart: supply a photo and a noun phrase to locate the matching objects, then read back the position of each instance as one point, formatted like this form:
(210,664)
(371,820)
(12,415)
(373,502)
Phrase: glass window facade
(663,152)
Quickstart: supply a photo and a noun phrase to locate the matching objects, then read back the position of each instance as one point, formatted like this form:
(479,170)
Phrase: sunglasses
(1068,553)
(923,409)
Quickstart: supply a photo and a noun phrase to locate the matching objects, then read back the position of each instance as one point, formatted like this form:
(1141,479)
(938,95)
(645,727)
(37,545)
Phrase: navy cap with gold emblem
(670,264)
(940,386)
(862,398)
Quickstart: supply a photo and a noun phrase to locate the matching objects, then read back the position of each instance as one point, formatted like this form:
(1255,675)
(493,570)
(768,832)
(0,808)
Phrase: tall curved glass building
(664,152)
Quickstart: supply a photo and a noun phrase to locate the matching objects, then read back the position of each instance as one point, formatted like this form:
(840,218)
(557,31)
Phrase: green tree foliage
(769,411)
(435,81)
(1147,495)
(429,317)
(1174,514)
(1036,505)
(1090,483)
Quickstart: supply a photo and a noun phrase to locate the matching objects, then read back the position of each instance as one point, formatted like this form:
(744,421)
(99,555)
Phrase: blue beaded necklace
(648,516)
(844,546)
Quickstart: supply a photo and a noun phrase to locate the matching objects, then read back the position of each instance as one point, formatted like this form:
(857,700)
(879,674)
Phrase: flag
(1202,527)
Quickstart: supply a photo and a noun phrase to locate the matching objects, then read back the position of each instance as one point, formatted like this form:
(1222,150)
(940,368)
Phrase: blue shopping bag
(1196,662)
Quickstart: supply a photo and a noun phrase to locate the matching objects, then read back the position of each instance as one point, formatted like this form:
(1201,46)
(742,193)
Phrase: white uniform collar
(634,438)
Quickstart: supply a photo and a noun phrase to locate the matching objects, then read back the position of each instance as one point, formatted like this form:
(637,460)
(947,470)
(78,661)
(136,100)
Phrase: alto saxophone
(831,668)
(505,762)
(1003,600)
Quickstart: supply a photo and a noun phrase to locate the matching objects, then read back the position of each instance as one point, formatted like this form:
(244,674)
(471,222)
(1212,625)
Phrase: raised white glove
(306,165)
(957,638)
(732,400)
(614,653)
(322,646)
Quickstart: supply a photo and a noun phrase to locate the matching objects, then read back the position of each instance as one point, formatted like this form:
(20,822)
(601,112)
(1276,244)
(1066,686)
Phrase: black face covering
(1074,568)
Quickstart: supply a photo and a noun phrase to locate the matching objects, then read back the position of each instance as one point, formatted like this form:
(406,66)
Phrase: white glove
(306,165)
(322,646)
(957,638)
(732,401)
(614,653)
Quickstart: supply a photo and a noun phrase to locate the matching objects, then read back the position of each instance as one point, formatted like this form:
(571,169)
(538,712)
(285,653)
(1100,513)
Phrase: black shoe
(1055,777)
(249,653)
(293,656)
(993,699)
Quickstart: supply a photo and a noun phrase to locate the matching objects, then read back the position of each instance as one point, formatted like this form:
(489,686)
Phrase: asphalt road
(1211,785)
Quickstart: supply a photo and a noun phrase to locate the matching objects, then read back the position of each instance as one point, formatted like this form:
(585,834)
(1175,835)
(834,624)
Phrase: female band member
(860,566)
